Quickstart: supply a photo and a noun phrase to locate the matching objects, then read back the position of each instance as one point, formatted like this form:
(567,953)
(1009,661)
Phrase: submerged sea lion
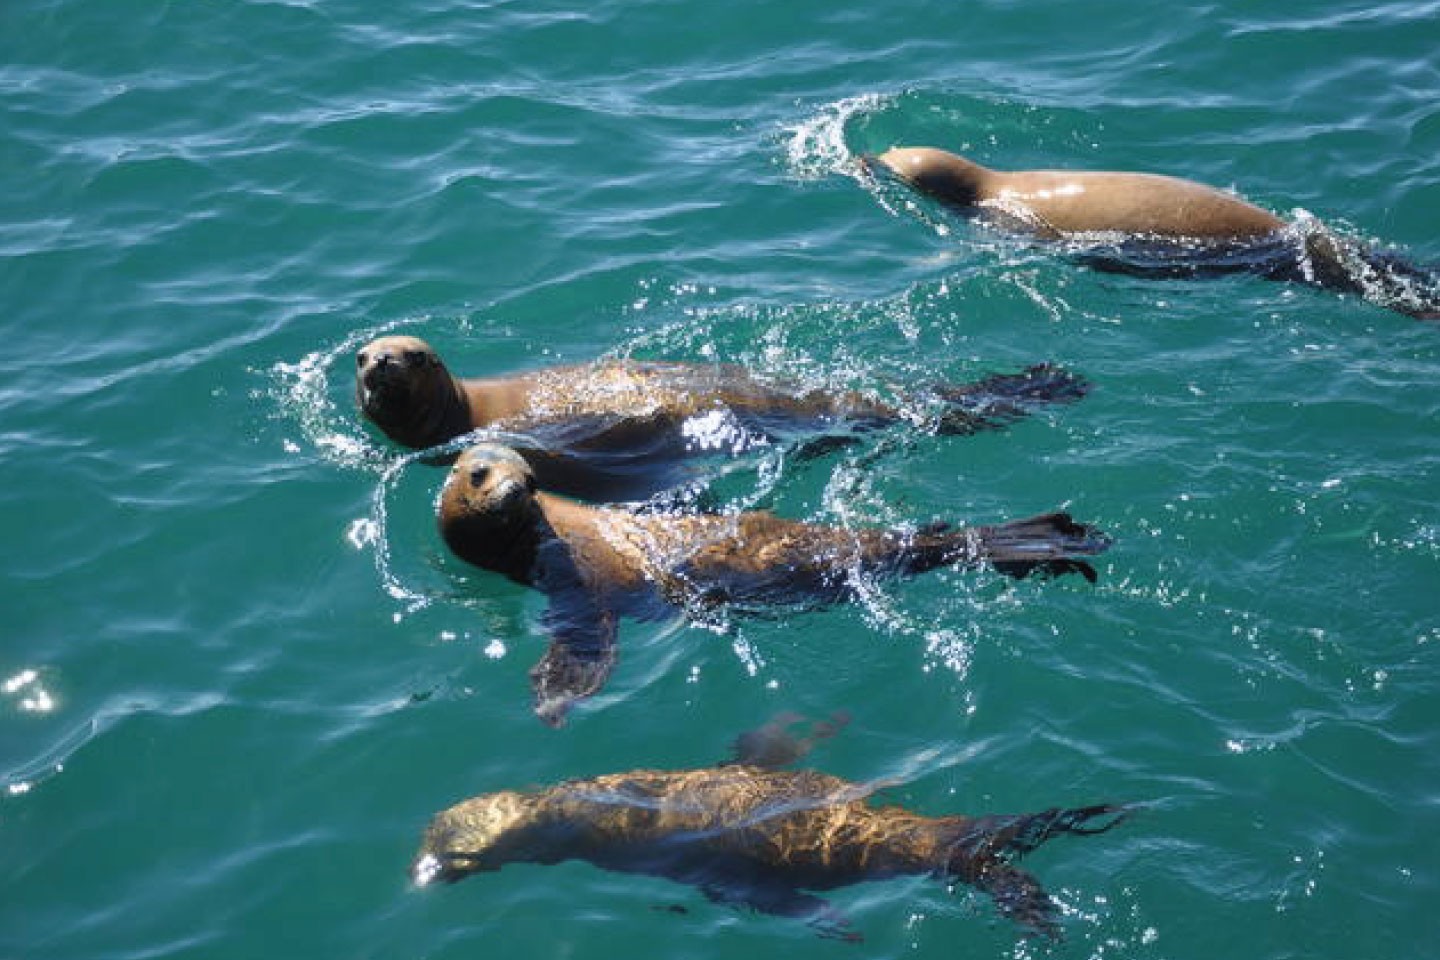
(609,430)
(596,563)
(1172,227)
(750,834)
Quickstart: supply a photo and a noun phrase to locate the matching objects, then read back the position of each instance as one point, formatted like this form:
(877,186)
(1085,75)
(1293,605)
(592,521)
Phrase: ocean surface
(240,670)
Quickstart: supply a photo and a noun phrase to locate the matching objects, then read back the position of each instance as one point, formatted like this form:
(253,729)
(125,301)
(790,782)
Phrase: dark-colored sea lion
(610,430)
(596,563)
(750,834)
(1169,226)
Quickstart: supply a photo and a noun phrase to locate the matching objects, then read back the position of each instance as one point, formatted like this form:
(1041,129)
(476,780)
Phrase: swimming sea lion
(749,834)
(1058,203)
(608,430)
(1173,227)
(596,563)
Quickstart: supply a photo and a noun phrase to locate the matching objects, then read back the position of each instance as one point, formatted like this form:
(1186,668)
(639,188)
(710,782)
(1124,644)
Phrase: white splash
(718,431)
(815,147)
(34,697)
(22,679)
(427,868)
(362,533)
(303,390)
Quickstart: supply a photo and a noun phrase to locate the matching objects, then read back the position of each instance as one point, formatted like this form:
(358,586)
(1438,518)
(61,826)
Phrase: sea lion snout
(470,837)
(426,869)
(392,359)
(396,380)
(430,868)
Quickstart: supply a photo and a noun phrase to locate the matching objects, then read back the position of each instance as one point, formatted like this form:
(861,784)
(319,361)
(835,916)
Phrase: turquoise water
(240,671)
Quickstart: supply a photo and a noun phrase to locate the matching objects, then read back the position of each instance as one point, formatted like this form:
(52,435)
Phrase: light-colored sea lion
(1058,203)
(1169,226)
(750,834)
(597,563)
(615,429)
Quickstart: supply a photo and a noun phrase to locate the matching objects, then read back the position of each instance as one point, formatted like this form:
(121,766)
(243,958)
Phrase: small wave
(815,147)
(304,392)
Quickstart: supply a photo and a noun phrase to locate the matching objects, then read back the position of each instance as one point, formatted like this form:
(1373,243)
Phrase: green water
(240,671)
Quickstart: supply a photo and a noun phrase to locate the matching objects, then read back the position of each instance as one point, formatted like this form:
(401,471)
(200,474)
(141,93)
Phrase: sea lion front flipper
(773,745)
(579,658)
(782,900)
(816,447)
(1002,398)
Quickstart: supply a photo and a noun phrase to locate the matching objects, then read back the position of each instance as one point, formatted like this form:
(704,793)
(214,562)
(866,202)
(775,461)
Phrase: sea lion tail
(1002,398)
(1044,544)
(981,850)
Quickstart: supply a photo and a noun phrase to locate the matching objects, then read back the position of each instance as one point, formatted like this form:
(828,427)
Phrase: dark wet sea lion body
(750,835)
(1168,226)
(620,428)
(598,563)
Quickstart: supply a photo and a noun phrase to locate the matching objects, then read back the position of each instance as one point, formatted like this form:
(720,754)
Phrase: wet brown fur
(599,425)
(750,835)
(597,562)
(440,406)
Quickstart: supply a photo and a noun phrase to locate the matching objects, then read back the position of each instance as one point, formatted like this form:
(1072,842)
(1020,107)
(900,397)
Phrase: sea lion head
(480,834)
(488,511)
(403,387)
(939,173)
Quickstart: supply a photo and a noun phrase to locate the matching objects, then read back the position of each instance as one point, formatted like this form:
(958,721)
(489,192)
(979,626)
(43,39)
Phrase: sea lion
(610,430)
(1169,226)
(750,834)
(596,563)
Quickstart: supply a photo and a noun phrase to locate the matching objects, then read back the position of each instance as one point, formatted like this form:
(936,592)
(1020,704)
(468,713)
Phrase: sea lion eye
(478,475)
(360,358)
(414,358)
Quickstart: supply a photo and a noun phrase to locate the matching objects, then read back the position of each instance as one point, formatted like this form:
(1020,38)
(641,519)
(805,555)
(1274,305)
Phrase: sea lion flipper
(782,900)
(577,662)
(1019,896)
(773,746)
(998,400)
(1045,544)
(983,846)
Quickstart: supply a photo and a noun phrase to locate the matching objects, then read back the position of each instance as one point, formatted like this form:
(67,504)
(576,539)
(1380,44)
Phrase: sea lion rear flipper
(578,661)
(1044,544)
(982,845)
(1019,896)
